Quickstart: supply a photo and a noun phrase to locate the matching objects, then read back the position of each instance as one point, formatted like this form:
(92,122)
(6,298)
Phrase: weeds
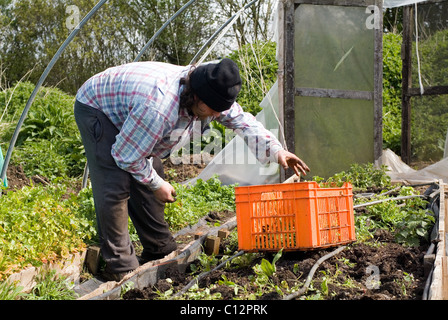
(9,291)
(267,268)
(194,202)
(362,177)
(37,226)
(49,134)
(52,287)
(408,220)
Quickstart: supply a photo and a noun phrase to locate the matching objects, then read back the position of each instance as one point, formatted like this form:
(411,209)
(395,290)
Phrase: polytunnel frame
(69,40)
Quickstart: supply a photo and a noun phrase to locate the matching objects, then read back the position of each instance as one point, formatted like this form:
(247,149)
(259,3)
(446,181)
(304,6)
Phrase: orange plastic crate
(294,216)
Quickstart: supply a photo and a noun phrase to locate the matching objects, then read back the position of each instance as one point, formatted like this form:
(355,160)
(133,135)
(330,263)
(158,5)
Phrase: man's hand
(289,160)
(165,193)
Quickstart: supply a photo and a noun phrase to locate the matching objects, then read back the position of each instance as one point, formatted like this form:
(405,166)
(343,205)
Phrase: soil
(182,172)
(377,270)
(348,275)
(17,178)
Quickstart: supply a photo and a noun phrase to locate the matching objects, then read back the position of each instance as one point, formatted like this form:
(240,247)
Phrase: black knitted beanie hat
(217,84)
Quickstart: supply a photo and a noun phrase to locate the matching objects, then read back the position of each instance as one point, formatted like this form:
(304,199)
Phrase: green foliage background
(258,68)
(430,113)
(31,32)
(49,143)
(392,65)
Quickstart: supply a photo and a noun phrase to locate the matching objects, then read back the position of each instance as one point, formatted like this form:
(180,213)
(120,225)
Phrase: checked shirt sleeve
(261,141)
(143,128)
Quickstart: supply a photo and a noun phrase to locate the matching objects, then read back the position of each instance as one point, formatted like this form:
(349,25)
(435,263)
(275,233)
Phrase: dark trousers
(117,196)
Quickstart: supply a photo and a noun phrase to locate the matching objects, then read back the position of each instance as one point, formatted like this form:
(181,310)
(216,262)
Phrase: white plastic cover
(401,172)
(387,4)
(236,163)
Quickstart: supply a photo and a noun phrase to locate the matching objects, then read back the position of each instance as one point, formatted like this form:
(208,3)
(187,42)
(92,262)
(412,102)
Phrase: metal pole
(218,31)
(174,16)
(40,82)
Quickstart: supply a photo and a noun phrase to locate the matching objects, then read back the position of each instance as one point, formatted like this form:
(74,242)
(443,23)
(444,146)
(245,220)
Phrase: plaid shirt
(142,100)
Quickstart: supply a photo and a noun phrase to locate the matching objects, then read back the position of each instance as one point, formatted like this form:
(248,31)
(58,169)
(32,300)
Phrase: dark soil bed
(376,270)
(398,271)
(17,178)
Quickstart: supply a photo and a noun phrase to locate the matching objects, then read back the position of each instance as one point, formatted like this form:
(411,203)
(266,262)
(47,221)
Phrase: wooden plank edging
(439,282)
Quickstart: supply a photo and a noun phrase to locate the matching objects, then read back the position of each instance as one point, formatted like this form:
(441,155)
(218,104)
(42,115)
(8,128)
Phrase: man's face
(202,111)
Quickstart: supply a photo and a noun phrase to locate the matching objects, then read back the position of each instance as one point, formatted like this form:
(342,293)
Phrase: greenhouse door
(332,91)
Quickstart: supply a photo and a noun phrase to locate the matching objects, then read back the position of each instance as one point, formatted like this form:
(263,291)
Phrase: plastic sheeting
(387,4)
(235,163)
(401,172)
(334,49)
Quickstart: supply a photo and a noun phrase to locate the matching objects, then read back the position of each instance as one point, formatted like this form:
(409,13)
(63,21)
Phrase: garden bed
(374,269)
(342,277)
(377,269)
(190,242)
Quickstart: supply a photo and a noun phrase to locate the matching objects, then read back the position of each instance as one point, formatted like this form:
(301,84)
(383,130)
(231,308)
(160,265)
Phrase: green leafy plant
(324,284)
(264,272)
(335,279)
(39,225)
(41,158)
(361,176)
(52,287)
(194,202)
(9,291)
(236,288)
(415,224)
(405,282)
(127,287)
(269,268)
(407,219)
(206,263)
